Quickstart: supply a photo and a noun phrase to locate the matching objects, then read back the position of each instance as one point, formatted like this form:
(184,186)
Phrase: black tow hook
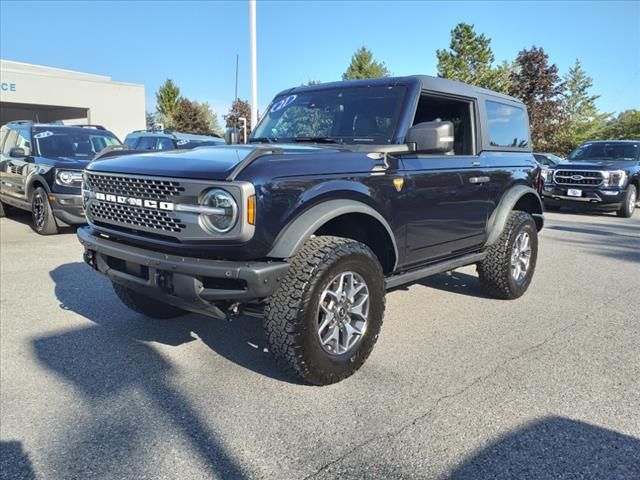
(164,281)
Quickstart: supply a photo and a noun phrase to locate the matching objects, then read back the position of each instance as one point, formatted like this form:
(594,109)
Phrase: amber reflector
(251,210)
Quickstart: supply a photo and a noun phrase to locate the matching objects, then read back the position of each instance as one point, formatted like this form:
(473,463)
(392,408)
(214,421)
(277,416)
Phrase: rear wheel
(629,202)
(325,318)
(507,270)
(44,222)
(147,306)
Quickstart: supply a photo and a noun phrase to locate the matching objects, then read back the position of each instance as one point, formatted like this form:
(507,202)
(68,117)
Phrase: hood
(218,162)
(595,164)
(70,162)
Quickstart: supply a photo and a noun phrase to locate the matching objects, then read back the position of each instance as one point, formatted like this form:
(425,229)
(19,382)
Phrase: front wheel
(325,318)
(629,202)
(44,222)
(507,270)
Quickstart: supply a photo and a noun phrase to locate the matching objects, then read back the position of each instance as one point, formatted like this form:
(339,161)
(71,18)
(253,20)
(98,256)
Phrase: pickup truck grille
(135,186)
(135,217)
(578,177)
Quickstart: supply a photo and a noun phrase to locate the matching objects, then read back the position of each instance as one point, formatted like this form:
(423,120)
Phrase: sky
(195,43)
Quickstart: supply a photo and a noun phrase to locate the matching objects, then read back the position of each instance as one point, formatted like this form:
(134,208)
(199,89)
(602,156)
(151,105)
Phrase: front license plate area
(574,192)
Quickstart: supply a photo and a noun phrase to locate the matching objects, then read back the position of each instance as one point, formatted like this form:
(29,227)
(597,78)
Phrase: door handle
(476,180)
(475,164)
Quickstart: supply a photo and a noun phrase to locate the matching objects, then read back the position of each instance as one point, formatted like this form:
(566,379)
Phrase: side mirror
(432,137)
(231,136)
(19,152)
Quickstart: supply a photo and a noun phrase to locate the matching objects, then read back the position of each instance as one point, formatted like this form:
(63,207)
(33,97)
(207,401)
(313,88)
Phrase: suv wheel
(44,222)
(629,202)
(508,268)
(147,306)
(325,318)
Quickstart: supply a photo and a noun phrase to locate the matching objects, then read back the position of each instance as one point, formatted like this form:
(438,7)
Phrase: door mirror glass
(231,136)
(19,152)
(432,137)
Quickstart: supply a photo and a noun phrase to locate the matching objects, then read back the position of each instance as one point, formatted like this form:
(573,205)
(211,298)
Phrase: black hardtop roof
(426,82)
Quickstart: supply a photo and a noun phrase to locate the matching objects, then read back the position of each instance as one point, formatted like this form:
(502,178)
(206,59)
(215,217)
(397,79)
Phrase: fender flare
(33,179)
(292,237)
(498,218)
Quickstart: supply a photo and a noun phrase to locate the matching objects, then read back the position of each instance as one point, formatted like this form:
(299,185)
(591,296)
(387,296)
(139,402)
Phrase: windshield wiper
(318,139)
(262,140)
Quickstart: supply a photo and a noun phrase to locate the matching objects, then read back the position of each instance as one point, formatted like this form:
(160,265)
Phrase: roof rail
(88,125)
(22,122)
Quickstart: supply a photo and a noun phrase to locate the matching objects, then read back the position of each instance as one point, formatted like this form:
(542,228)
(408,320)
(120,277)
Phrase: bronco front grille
(135,217)
(578,177)
(134,186)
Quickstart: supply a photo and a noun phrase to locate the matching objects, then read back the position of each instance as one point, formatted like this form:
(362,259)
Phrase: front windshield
(76,143)
(606,151)
(341,115)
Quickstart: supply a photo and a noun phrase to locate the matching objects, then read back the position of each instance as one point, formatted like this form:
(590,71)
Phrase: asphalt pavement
(459,385)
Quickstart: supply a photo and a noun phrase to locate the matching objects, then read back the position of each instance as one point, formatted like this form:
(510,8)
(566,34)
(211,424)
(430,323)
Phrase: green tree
(150,120)
(167,101)
(190,118)
(470,60)
(364,66)
(538,85)
(239,108)
(212,118)
(626,126)
(583,119)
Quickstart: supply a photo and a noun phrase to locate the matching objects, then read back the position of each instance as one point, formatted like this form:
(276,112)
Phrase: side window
(24,138)
(146,143)
(3,135)
(165,144)
(457,111)
(10,142)
(508,125)
(131,141)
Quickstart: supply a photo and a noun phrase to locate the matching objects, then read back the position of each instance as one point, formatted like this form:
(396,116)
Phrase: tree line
(562,110)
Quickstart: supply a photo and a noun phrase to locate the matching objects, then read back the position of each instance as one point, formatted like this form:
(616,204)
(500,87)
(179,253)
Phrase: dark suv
(599,175)
(41,170)
(348,190)
(168,140)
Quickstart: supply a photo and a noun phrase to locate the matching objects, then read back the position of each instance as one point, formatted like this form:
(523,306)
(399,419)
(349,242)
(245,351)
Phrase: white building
(46,94)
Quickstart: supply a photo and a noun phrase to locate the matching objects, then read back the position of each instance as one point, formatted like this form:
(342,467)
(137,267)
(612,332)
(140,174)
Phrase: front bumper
(194,284)
(596,198)
(67,208)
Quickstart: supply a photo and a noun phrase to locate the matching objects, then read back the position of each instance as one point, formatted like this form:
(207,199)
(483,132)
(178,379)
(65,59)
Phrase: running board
(413,275)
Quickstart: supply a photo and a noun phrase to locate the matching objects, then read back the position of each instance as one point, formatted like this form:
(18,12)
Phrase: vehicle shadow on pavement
(455,282)
(14,462)
(24,217)
(555,447)
(83,291)
(108,369)
(621,242)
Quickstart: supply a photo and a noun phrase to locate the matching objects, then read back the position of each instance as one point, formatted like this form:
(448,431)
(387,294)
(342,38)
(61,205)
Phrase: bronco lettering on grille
(135,202)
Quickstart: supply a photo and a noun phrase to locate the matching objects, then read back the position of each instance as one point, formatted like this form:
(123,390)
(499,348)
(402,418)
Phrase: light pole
(254,63)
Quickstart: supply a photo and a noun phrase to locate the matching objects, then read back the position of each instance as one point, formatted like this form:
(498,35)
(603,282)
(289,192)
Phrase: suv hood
(596,164)
(218,162)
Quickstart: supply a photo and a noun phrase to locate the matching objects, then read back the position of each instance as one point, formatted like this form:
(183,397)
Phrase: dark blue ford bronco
(346,191)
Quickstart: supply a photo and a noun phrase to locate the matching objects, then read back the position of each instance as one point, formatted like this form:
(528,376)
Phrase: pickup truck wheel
(325,318)
(145,305)
(44,222)
(629,202)
(508,268)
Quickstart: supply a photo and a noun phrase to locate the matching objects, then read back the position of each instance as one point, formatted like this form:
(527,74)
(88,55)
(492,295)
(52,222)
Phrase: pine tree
(470,60)
(364,66)
(538,85)
(167,101)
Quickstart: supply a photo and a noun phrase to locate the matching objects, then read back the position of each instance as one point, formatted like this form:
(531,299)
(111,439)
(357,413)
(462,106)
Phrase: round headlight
(227,217)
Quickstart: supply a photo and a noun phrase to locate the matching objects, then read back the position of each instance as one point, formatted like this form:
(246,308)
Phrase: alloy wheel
(521,256)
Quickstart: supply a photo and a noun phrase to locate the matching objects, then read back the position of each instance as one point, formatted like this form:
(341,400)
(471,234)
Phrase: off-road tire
(145,305)
(494,271)
(627,209)
(47,225)
(291,313)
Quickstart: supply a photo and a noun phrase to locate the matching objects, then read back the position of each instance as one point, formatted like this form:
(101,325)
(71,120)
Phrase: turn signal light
(251,210)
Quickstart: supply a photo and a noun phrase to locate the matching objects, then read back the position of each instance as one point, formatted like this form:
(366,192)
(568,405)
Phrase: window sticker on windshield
(43,134)
(285,102)
(182,142)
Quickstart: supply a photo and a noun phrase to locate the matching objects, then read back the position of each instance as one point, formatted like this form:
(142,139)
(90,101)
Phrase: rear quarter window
(508,125)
